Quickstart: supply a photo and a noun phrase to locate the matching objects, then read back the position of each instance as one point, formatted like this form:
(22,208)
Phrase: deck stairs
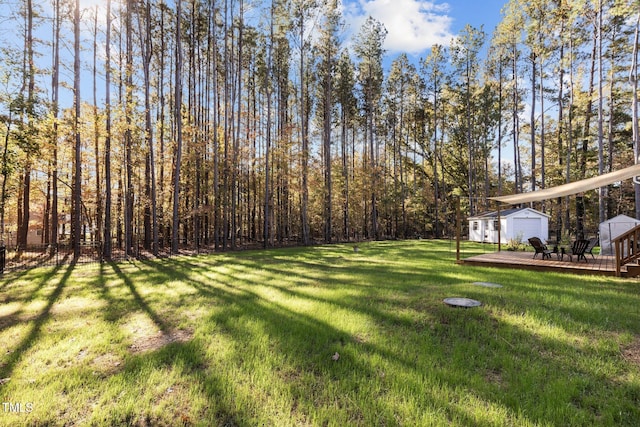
(627,253)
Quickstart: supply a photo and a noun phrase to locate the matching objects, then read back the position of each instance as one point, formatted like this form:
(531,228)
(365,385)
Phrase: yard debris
(335,356)
(155,341)
(6,380)
(632,352)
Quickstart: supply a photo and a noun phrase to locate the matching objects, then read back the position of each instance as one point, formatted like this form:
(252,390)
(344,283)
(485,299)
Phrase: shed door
(527,227)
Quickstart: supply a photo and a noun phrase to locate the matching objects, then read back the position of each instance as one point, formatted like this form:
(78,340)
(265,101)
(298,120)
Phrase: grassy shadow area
(317,336)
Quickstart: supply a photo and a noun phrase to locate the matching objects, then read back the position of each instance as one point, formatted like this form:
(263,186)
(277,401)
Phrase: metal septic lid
(487,284)
(461,302)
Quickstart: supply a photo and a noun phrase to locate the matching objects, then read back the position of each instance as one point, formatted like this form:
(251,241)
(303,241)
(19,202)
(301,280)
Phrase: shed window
(475,225)
(496,225)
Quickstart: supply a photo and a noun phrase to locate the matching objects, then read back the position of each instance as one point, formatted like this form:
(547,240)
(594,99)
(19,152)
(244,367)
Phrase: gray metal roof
(503,213)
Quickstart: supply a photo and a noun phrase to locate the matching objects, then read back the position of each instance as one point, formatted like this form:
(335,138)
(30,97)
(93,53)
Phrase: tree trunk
(27,120)
(516,125)
(106,250)
(533,120)
(77,176)
(97,233)
(306,238)
(543,172)
(580,207)
(633,79)
(178,119)
(602,190)
(151,212)
(559,203)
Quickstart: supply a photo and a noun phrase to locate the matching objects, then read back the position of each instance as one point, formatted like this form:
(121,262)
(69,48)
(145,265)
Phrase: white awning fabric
(571,188)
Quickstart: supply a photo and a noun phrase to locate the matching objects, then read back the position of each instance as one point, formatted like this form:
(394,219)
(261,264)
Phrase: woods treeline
(232,123)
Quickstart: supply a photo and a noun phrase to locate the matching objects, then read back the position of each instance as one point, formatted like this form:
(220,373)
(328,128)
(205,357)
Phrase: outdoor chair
(579,248)
(540,248)
(593,242)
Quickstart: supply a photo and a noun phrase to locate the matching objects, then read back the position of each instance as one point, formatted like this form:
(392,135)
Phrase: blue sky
(415,25)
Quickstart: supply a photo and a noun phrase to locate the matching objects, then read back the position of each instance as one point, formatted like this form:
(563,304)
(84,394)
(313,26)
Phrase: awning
(571,188)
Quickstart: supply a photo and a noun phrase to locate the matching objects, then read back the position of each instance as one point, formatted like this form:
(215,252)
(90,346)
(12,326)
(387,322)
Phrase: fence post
(3,258)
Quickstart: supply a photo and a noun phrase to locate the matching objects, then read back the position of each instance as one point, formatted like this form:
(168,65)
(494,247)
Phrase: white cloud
(413,25)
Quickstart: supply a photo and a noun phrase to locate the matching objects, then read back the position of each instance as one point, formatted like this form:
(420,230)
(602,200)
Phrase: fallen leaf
(335,356)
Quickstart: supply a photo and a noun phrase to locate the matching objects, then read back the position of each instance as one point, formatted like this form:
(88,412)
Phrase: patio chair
(540,248)
(593,242)
(579,248)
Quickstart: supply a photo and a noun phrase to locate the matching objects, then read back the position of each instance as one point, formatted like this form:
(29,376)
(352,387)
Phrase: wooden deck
(600,265)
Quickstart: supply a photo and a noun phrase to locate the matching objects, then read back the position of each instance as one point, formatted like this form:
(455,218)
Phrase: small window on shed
(475,225)
(496,225)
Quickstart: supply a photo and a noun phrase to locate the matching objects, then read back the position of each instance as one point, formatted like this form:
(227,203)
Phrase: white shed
(612,228)
(520,223)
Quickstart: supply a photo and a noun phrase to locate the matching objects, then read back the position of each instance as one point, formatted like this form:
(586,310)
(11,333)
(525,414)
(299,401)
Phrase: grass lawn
(250,338)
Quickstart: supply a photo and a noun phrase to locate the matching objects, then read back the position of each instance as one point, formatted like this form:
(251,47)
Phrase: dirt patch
(360,338)
(632,352)
(107,363)
(11,320)
(494,376)
(154,342)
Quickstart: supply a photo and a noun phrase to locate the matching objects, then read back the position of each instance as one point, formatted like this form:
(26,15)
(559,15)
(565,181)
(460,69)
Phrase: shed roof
(504,213)
(620,218)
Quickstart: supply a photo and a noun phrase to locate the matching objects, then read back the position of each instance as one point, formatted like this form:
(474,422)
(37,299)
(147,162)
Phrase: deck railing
(627,246)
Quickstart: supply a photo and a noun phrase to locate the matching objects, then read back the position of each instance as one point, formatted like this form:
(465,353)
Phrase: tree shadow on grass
(14,318)
(194,392)
(157,320)
(484,347)
(304,346)
(30,291)
(578,318)
(110,313)
(576,304)
(10,277)
(39,321)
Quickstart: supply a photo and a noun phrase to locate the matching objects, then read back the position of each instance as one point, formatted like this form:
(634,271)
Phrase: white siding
(528,222)
(527,228)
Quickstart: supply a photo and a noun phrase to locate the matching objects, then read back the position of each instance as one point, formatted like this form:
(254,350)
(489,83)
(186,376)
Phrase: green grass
(247,338)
